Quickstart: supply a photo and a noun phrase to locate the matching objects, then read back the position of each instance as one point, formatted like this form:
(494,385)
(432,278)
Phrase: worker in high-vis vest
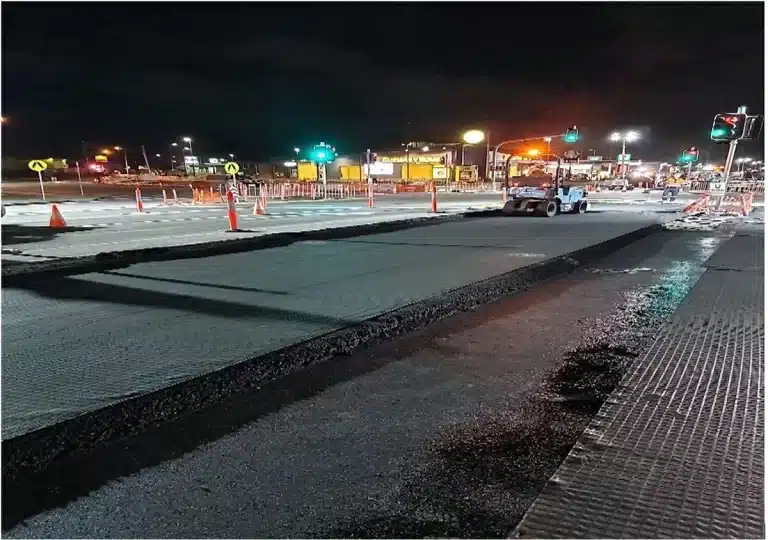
(672,188)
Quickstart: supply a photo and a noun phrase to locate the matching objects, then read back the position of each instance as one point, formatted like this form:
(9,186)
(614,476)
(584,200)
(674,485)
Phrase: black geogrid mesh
(677,450)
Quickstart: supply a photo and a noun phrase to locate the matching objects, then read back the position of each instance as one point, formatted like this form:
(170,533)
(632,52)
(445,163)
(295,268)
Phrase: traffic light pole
(729,161)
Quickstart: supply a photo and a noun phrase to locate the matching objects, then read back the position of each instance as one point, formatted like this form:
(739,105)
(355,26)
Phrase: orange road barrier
(57,220)
(165,198)
(370,196)
(699,205)
(231,211)
(139,203)
(434,199)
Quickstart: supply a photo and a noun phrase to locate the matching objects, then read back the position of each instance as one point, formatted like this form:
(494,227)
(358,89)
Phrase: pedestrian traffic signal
(571,135)
(690,155)
(728,127)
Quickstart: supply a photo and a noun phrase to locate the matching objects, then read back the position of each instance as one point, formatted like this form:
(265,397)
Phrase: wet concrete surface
(451,431)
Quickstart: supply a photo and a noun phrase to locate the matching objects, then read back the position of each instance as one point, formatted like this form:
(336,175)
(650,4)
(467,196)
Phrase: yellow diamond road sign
(38,165)
(231,167)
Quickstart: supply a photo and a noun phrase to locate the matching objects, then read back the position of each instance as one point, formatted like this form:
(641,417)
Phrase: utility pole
(146,161)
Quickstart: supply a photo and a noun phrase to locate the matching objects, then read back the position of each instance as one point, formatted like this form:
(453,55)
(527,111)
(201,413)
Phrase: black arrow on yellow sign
(38,165)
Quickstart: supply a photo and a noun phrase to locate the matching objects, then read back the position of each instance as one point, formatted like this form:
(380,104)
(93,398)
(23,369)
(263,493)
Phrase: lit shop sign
(439,172)
(413,158)
(382,169)
(191,160)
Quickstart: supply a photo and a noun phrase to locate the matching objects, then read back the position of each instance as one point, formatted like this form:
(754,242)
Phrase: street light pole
(125,156)
(173,159)
(188,140)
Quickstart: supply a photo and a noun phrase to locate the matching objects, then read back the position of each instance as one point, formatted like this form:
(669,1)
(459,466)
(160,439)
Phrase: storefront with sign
(416,166)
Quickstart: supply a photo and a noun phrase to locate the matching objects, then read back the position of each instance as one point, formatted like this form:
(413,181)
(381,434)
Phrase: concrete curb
(33,452)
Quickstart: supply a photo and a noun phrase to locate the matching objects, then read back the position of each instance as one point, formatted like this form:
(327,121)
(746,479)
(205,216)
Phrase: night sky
(257,79)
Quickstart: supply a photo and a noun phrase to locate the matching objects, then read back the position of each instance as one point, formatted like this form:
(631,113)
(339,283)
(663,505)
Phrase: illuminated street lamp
(548,140)
(125,156)
(742,161)
(533,152)
(473,136)
(629,136)
(173,146)
(188,140)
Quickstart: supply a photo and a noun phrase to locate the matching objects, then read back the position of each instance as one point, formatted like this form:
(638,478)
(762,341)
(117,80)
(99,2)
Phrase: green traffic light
(719,132)
(571,137)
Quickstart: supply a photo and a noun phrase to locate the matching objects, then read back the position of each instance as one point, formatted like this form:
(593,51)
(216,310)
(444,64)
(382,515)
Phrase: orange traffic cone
(257,210)
(231,211)
(57,221)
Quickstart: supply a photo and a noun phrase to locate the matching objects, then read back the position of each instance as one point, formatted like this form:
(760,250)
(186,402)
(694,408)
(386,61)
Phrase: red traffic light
(728,127)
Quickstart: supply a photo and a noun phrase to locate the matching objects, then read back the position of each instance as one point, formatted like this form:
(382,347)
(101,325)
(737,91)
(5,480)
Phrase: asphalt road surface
(80,343)
(105,226)
(440,433)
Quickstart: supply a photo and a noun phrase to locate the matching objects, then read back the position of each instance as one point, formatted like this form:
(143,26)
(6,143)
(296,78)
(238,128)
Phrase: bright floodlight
(615,136)
(296,149)
(187,139)
(533,152)
(474,136)
(547,139)
(632,136)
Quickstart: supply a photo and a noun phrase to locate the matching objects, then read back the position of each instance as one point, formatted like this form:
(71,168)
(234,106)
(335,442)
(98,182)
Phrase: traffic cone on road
(57,220)
(139,203)
(257,209)
(231,212)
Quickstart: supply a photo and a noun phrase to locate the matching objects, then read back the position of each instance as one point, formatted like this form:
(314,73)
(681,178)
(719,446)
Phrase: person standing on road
(671,189)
